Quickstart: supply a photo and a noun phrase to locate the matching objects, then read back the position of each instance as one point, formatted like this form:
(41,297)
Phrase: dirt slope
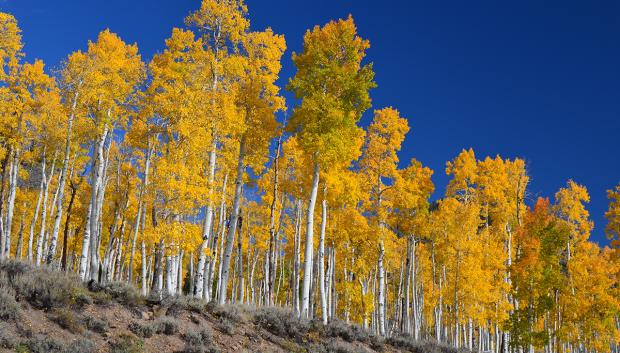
(52,312)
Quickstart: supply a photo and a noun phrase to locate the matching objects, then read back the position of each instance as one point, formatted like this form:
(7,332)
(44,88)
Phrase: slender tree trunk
(406,299)
(297,257)
(62,181)
(230,237)
(157,284)
(239,265)
(381,273)
(202,259)
(305,305)
(5,251)
(4,177)
(67,224)
(144,270)
(35,216)
(270,268)
(20,239)
(41,238)
(321,258)
(90,229)
(95,240)
(211,264)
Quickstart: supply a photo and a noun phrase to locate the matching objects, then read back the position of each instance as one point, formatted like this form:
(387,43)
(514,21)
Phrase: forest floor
(44,311)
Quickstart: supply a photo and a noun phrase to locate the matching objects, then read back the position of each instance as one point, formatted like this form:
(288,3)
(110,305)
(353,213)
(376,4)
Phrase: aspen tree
(221,25)
(333,86)
(115,69)
(612,229)
(258,100)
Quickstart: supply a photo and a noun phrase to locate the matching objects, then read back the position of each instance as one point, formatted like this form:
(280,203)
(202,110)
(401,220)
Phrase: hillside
(47,311)
(243,164)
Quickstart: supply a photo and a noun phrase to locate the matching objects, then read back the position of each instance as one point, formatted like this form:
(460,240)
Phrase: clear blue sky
(533,79)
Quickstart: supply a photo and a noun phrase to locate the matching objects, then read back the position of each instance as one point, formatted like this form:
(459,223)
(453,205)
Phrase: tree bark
(230,237)
(305,305)
(62,181)
(41,238)
(321,257)
(35,216)
(208,222)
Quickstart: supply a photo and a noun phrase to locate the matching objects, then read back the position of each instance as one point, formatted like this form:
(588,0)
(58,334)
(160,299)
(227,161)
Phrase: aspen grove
(187,176)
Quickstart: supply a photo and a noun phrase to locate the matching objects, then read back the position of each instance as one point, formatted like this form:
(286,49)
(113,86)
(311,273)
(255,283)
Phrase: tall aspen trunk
(41,237)
(211,264)
(91,227)
(65,239)
(230,237)
(305,304)
(296,258)
(406,297)
(157,284)
(271,264)
(61,182)
(239,264)
(96,237)
(13,174)
(140,216)
(381,273)
(321,257)
(143,279)
(38,207)
(3,178)
(202,258)
(20,239)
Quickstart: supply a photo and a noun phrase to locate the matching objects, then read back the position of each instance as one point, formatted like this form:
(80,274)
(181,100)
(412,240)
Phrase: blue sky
(538,80)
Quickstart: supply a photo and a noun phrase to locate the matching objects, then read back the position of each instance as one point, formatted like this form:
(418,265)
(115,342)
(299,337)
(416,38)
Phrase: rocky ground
(47,311)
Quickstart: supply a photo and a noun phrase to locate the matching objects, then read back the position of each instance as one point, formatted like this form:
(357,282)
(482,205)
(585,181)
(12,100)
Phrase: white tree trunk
(96,238)
(321,259)
(11,204)
(230,237)
(305,305)
(91,227)
(41,238)
(296,257)
(208,222)
(61,183)
(85,245)
(381,309)
(144,288)
(37,208)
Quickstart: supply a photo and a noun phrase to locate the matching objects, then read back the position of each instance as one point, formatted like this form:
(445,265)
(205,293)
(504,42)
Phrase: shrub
(199,342)
(175,305)
(43,344)
(81,299)
(282,322)
(13,268)
(234,313)
(127,344)
(411,345)
(123,293)
(9,308)
(141,330)
(46,289)
(166,325)
(339,347)
(65,318)
(95,325)
(349,333)
(7,339)
(226,326)
(80,345)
